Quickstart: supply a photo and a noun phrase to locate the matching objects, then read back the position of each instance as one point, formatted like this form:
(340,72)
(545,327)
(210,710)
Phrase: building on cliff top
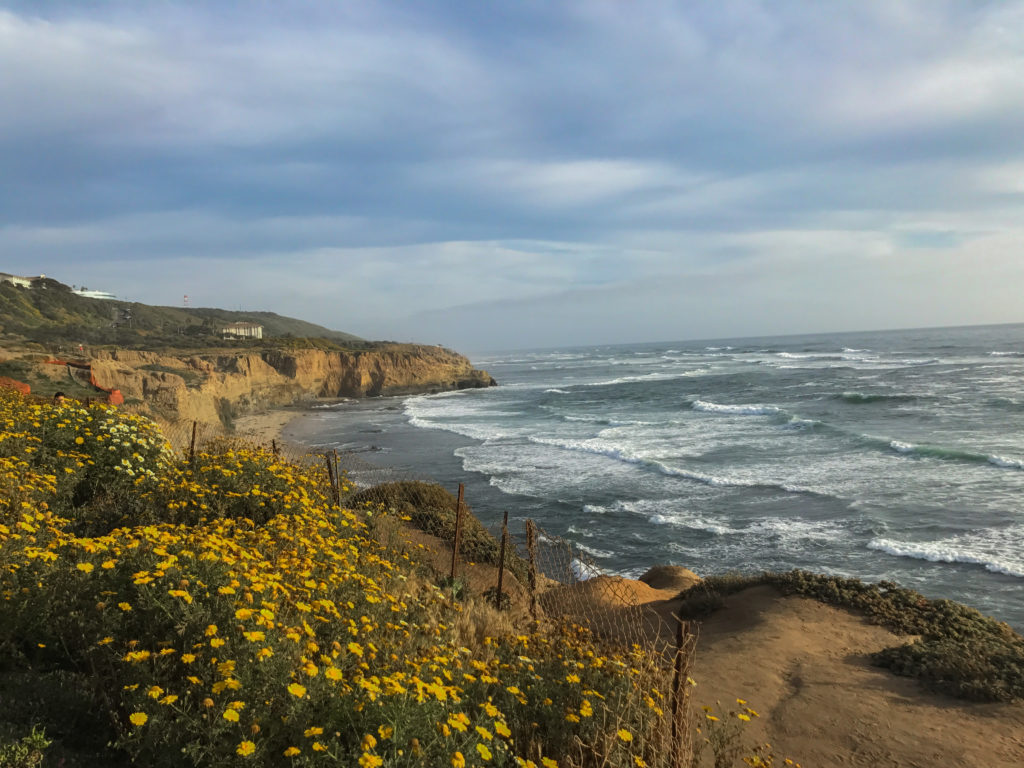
(243,330)
(21,282)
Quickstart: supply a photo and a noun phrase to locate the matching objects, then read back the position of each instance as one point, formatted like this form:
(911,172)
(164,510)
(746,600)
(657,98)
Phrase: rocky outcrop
(213,387)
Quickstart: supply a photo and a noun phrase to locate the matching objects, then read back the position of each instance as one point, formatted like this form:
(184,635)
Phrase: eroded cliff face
(212,387)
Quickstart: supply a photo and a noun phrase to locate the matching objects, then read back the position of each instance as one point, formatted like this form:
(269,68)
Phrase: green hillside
(52,314)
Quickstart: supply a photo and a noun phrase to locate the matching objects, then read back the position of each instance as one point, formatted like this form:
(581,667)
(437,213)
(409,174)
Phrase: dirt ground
(804,667)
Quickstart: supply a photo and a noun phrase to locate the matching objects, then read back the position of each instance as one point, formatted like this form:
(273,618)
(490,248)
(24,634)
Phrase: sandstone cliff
(214,387)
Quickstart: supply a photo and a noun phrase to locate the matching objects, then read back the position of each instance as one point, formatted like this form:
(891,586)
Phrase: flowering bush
(226,612)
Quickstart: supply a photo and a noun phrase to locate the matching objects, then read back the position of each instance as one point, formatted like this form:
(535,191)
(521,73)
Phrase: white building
(243,330)
(21,282)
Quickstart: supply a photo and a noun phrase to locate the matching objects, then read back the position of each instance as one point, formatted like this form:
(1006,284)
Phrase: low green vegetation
(959,650)
(431,508)
(54,316)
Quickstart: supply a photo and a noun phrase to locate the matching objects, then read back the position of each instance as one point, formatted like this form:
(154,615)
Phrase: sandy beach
(265,426)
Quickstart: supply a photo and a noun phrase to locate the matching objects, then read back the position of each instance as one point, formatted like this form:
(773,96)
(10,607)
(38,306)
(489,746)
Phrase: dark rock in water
(670,577)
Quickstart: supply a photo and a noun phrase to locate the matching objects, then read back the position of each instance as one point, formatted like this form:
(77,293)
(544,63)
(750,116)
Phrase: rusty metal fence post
(531,547)
(192,445)
(330,477)
(458,532)
(681,736)
(501,560)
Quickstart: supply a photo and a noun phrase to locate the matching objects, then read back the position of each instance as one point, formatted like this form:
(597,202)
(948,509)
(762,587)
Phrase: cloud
(383,166)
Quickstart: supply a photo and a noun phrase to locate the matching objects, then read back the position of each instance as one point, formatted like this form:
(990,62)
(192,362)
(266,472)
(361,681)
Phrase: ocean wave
(797,356)
(475,431)
(988,549)
(717,349)
(646,377)
(735,410)
(795,422)
(1006,354)
(859,398)
(626,456)
(583,571)
(1005,463)
(938,452)
(601,554)
(555,391)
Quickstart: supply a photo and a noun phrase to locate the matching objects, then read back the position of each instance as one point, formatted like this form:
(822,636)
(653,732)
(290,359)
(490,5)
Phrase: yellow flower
(169,699)
(639,762)
(292,752)
(246,748)
(297,690)
(368,742)
(314,731)
(386,731)
(458,761)
(125,606)
(211,630)
(138,718)
(547,762)
(370,761)
(625,735)
(484,733)
(187,658)
(485,753)
(318,747)
(85,567)
(155,692)
(230,715)
(502,728)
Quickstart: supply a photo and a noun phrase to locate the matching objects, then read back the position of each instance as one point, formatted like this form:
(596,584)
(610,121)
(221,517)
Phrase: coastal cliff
(217,386)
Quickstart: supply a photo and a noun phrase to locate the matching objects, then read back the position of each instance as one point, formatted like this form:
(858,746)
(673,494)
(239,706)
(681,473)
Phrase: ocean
(893,455)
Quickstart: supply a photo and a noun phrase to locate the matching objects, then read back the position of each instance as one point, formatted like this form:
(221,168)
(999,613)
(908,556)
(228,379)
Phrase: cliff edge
(215,387)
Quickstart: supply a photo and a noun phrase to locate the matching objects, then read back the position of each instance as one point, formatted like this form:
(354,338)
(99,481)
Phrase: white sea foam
(902,447)
(735,410)
(646,377)
(332,406)
(998,550)
(583,571)
(1006,463)
(555,391)
(602,554)
(1006,354)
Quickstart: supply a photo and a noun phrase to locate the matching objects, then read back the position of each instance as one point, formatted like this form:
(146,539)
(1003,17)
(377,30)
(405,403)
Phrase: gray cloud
(382,167)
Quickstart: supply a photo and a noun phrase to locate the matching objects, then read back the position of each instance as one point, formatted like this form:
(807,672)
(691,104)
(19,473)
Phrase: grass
(959,652)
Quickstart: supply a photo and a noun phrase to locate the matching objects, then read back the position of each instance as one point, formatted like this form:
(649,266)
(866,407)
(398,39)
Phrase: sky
(519,174)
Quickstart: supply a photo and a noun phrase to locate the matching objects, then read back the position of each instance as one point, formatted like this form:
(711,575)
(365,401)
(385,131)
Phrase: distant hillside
(53,314)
